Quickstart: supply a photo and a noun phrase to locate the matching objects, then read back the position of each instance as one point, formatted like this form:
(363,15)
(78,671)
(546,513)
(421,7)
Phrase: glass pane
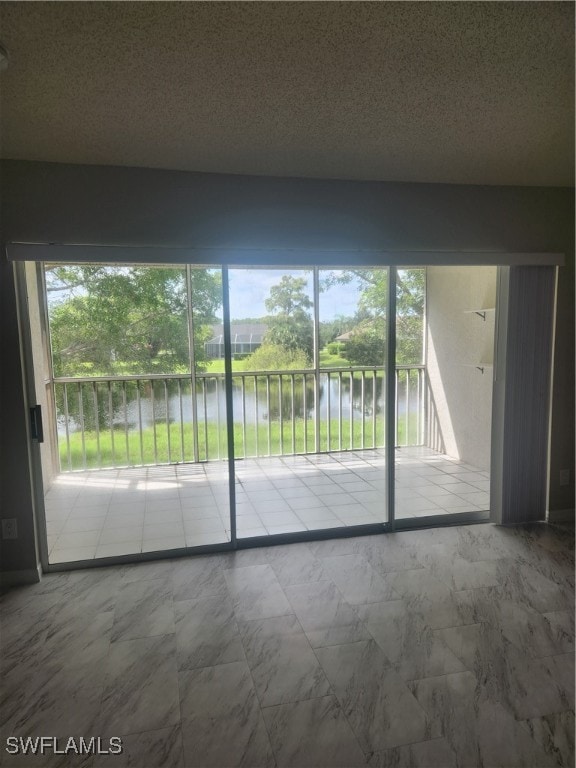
(137,409)
(272,335)
(353,335)
(445,339)
(353,348)
(117,320)
(205,492)
(309,441)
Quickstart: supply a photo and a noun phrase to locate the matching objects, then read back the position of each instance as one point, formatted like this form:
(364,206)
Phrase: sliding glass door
(193,407)
(275,398)
(140,460)
(353,376)
(445,319)
(309,390)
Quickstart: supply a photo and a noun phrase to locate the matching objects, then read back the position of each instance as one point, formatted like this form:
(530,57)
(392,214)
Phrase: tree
(410,300)
(119,320)
(290,324)
(330,329)
(410,297)
(367,347)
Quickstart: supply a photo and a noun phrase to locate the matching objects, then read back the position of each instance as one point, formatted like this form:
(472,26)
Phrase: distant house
(344,337)
(367,325)
(245,338)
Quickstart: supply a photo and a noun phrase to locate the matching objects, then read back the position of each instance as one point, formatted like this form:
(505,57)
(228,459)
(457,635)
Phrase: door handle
(36,428)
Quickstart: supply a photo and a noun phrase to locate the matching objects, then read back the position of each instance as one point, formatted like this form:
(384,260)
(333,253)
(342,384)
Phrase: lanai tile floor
(109,512)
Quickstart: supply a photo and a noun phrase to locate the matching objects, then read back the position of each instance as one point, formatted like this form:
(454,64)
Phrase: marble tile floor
(447,647)
(103,513)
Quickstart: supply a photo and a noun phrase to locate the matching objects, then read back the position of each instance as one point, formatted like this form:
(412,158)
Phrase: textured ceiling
(437,92)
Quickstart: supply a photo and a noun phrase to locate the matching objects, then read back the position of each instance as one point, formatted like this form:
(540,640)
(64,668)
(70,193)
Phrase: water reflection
(255,401)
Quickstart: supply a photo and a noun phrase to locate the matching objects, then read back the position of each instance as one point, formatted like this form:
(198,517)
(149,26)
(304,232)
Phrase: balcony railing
(119,421)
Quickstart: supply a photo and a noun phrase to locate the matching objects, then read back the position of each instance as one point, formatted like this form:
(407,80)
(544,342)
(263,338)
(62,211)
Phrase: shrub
(273,357)
(367,348)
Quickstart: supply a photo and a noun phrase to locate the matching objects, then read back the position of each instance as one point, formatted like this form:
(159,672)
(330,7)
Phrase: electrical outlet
(9,528)
(564,477)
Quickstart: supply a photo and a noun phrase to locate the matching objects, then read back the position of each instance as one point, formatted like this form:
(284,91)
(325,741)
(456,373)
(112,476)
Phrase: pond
(341,398)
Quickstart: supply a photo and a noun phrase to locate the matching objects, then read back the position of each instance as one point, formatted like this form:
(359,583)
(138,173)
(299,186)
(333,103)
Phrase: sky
(249,288)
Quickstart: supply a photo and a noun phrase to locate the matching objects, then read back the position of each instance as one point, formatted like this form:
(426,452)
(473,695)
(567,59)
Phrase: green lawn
(217,366)
(175,443)
(268,439)
(326,361)
(332,361)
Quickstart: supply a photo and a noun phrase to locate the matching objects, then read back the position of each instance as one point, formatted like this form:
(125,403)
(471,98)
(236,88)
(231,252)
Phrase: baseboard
(561,515)
(18,578)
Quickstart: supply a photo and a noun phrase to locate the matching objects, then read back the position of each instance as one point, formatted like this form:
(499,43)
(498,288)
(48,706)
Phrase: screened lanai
(163,435)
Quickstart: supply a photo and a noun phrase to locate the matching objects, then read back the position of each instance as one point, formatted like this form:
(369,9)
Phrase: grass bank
(174,444)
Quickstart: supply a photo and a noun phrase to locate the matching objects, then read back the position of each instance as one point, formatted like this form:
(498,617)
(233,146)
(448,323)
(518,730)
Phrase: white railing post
(316,299)
(411,395)
(192,357)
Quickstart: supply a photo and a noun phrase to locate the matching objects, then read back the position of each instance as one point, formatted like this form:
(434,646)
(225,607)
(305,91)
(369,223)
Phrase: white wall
(456,342)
